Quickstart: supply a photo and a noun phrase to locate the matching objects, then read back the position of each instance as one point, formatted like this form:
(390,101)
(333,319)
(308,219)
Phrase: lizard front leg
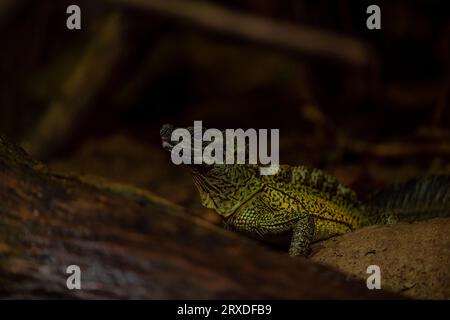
(302,236)
(258,217)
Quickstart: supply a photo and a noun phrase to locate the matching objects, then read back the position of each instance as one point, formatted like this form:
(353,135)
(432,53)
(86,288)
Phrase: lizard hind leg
(302,236)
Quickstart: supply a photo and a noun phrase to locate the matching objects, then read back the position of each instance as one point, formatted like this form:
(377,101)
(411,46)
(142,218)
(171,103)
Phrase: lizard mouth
(168,146)
(190,147)
(166,134)
(166,138)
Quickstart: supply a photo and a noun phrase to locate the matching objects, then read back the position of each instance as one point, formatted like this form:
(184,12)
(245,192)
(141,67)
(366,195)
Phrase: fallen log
(130,243)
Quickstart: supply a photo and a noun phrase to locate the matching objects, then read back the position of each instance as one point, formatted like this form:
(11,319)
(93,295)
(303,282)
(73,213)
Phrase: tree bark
(130,243)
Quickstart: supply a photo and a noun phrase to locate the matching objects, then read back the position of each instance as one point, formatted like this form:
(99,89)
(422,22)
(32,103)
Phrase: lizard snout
(166,133)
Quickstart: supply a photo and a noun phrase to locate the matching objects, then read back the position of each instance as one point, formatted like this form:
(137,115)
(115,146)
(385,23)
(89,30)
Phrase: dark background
(93,100)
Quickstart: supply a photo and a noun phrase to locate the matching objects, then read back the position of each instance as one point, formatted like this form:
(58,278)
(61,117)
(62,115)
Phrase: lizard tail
(417,199)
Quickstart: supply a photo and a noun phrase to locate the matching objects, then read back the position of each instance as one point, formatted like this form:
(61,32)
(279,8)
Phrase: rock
(414,258)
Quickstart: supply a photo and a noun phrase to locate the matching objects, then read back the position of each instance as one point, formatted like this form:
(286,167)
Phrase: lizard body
(305,204)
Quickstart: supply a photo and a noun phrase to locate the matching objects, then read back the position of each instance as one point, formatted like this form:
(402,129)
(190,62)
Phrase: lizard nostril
(166,131)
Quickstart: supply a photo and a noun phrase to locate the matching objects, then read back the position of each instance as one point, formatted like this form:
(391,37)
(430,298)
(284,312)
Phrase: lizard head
(222,187)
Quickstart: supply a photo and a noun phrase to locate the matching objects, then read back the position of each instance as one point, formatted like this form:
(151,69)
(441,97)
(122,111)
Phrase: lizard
(302,205)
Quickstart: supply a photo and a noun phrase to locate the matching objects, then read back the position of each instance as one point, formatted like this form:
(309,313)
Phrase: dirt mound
(414,258)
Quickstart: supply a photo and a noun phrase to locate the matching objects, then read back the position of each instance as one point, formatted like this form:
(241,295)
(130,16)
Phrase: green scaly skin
(301,204)
(300,201)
